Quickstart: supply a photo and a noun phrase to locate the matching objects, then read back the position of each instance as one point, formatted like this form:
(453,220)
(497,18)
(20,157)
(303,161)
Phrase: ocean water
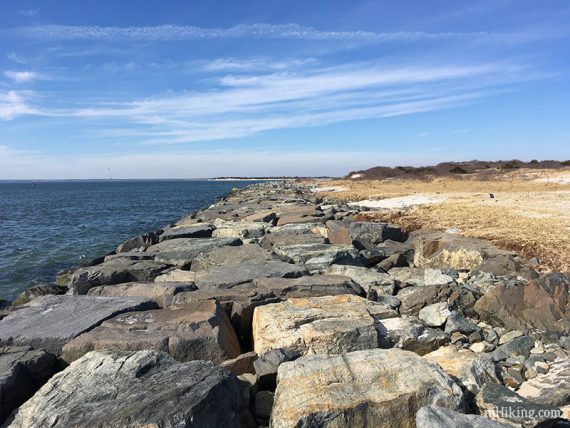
(54,225)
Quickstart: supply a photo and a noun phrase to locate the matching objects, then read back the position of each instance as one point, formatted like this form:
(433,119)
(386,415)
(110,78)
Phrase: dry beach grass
(528,214)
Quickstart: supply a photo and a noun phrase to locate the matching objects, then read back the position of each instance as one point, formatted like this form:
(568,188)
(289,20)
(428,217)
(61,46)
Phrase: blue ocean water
(52,225)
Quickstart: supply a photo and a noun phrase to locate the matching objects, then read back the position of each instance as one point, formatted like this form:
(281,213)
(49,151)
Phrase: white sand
(400,202)
(329,189)
(563,179)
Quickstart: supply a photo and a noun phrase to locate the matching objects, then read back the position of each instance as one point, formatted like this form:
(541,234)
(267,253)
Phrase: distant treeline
(454,168)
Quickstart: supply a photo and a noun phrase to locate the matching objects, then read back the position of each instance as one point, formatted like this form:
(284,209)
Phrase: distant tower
(109,170)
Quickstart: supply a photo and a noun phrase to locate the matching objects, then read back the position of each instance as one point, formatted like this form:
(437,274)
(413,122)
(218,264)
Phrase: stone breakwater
(274,308)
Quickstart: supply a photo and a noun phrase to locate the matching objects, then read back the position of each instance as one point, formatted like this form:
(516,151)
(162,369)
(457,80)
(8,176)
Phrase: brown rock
(541,305)
(196,332)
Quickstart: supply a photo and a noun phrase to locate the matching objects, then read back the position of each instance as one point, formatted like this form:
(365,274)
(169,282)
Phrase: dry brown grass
(369,189)
(529,217)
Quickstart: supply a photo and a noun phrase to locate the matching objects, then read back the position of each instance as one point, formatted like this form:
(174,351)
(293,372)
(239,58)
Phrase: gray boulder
(230,275)
(319,256)
(114,271)
(370,280)
(161,292)
(135,389)
(440,417)
(200,230)
(308,286)
(141,241)
(458,323)
(37,291)
(268,363)
(410,334)
(231,255)
(363,234)
(49,322)
(434,315)
(414,299)
(22,372)
(518,346)
(280,239)
(181,252)
(503,405)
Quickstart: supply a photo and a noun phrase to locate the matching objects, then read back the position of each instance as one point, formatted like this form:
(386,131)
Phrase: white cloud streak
(163,33)
(243,106)
(23,76)
(15,103)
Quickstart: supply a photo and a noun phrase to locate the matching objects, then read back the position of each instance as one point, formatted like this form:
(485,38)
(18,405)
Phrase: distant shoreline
(267,178)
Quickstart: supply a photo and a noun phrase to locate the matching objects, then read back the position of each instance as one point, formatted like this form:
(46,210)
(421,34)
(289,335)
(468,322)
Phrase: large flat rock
(247,232)
(318,257)
(23,371)
(136,389)
(115,271)
(161,292)
(309,286)
(328,324)
(371,388)
(199,230)
(49,322)
(227,276)
(294,234)
(231,255)
(181,252)
(370,280)
(199,331)
(362,233)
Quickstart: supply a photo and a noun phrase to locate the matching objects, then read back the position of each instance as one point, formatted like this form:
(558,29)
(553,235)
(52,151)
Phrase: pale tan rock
(329,324)
(552,387)
(467,368)
(371,388)
(176,275)
(246,231)
(267,216)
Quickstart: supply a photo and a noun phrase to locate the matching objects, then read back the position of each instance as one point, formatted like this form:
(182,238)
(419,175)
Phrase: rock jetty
(273,307)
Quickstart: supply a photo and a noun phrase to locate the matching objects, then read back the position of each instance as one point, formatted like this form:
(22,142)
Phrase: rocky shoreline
(275,308)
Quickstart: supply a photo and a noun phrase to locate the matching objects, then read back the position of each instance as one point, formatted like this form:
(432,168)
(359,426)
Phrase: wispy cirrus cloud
(244,105)
(29,12)
(162,33)
(23,76)
(256,64)
(247,105)
(16,103)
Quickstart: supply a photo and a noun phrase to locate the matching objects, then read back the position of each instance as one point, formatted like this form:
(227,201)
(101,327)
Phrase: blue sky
(182,89)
